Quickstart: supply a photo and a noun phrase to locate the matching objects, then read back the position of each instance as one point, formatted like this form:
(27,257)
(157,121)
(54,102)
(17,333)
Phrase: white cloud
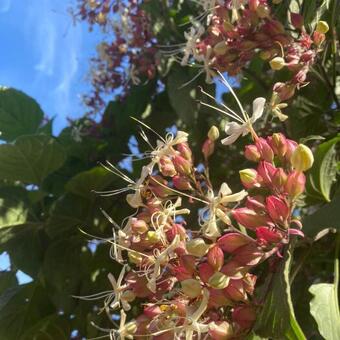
(5,5)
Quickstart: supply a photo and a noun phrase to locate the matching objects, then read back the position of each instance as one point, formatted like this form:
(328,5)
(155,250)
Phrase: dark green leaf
(20,308)
(182,96)
(7,280)
(19,114)
(327,216)
(323,173)
(30,159)
(276,318)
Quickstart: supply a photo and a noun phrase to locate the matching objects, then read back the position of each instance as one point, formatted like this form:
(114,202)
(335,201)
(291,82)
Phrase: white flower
(244,123)
(192,37)
(214,211)
(235,130)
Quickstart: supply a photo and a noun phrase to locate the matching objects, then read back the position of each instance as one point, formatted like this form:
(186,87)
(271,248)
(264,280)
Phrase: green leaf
(13,210)
(84,183)
(325,310)
(30,159)
(276,318)
(19,114)
(327,216)
(182,97)
(54,327)
(20,308)
(7,280)
(323,173)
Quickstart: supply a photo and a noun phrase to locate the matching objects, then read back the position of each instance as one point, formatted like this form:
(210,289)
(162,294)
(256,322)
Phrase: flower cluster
(199,279)
(129,58)
(238,30)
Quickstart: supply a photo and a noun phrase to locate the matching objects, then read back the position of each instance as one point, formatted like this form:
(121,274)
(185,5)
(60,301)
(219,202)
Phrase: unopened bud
(266,152)
(219,280)
(166,167)
(297,20)
(267,171)
(278,143)
(263,11)
(236,291)
(249,218)
(277,63)
(135,258)
(152,237)
(182,165)
(295,185)
(220,330)
(278,209)
(130,329)
(302,158)
(208,148)
(276,2)
(185,151)
(232,241)
(322,27)
(249,178)
(252,153)
(265,55)
(197,247)
(191,288)
(215,257)
(139,226)
(244,316)
(228,26)
(213,133)
(101,18)
(220,48)
(318,38)
(181,183)
(279,179)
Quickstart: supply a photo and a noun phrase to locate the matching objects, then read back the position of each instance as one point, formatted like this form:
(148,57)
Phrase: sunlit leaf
(19,114)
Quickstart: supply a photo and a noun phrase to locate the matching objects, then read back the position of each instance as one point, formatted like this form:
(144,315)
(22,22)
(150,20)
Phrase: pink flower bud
(208,148)
(188,262)
(277,209)
(256,203)
(166,167)
(318,38)
(182,165)
(151,311)
(249,218)
(291,146)
(297,20)
(295,185)
(266,235)
(220,330)
(244,316)
(252,153)
(248,255)
(185,151)
(234,270)
(235,290)
(139,226)
(264,149)
(266,171)
(279,179)
(232,241)
(215,257)
(278,143)
(284,91)
(217,299)
(181,183)
(205,271)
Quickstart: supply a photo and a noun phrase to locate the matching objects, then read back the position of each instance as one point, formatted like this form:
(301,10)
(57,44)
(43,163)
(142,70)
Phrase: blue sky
(45,55)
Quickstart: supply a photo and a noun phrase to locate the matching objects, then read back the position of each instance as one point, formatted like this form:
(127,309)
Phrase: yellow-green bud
(197,247)
(265,55)
(322,27)
(302,158)
(219,280)
(213,133)
(248,177)
(152,237)
(220,48)
(277,63)
(130,328)
(191,288)
(135,257)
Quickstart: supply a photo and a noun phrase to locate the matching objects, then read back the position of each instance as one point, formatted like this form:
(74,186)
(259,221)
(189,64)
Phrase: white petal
(239,196)
(231,139)
(232,127)
(224,190)
(258,107)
